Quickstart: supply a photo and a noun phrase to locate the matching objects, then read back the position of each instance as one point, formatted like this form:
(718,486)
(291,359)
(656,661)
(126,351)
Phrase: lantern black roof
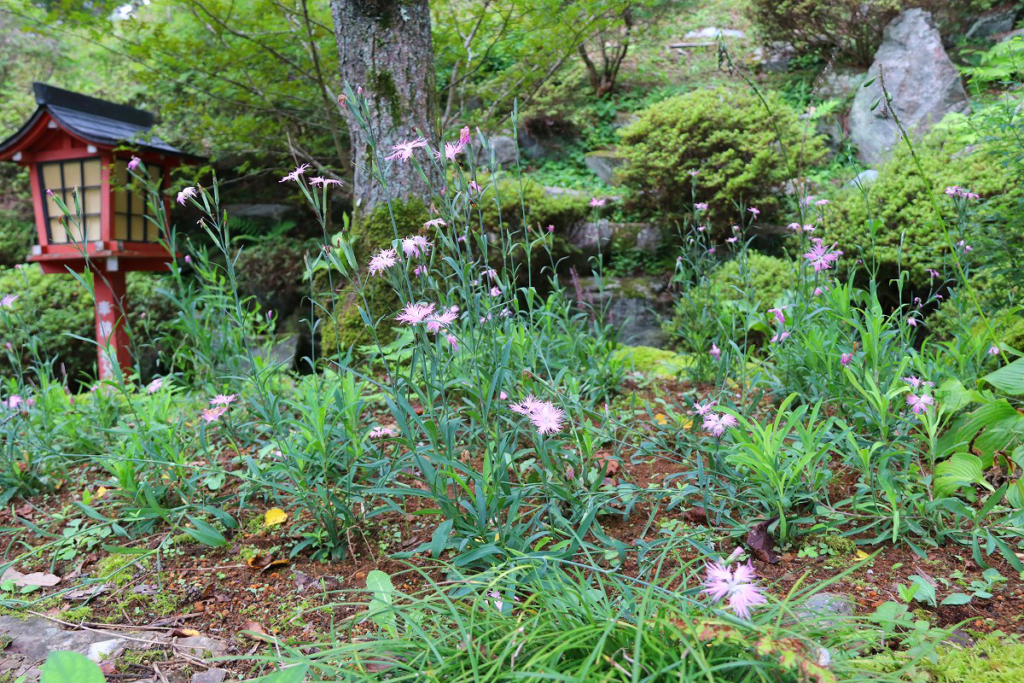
(96,121)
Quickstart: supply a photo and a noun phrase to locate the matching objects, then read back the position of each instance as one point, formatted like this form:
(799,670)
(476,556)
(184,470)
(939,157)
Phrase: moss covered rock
(371,233)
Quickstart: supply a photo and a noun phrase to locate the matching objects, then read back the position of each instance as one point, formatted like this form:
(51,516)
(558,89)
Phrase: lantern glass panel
(130,210)
(62,178)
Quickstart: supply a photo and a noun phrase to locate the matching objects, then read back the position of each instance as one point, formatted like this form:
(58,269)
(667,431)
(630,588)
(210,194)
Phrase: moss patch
(648,359)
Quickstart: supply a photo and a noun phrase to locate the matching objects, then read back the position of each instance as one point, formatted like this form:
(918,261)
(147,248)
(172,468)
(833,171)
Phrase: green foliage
(648,359)
(70,666)
(765,278)
(502,205)
(993,658)
(17,234)
(898,205)
(57,306)
(850,30)
(342,326)
(728,137)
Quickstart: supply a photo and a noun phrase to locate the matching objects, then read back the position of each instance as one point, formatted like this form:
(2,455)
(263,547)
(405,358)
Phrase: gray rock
(210,676)
(565,192)
(714,32)
(603,163)
(268,213)
(924,85)
(838,83)
(775,57)
(824,609)
(598,237)
(991,23)
(501,151)
(634,306)
(1019,33)
(863,178)
(201,646)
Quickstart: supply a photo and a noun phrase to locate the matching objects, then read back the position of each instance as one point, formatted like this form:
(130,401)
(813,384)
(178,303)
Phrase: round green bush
(899,201)
(769,278)
(542,209)
(728,137)
(50,308)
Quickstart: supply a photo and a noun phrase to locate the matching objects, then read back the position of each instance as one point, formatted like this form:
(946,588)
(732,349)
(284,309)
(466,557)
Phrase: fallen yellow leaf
(274,516)
(861,555)
(660,419)
(101,491)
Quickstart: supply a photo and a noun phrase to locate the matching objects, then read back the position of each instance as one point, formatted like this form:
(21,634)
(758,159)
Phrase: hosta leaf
(961,469)
(1009,378)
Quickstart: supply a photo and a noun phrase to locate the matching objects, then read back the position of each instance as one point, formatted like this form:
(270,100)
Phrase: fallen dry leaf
(34,579)
(108,667)
(274,517)
(265,563)
(761,543)
(184,633)
(256,631)
(696,515)
(146,589)
(88,592)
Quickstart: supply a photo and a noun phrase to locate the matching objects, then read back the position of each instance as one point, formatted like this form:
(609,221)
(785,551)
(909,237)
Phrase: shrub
(899,203)
(719,308)
(728,137)
(16,237)
(850,30)
(57,306)
(541,209)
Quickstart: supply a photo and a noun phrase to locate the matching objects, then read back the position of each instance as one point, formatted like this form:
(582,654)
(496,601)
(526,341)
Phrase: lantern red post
(109,292)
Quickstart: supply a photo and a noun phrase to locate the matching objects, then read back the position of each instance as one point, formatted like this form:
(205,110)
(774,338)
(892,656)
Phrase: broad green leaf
(1009,378)
(293,674)
(380,607)
(65,667)
(961,469)
(957,599)
(205,533)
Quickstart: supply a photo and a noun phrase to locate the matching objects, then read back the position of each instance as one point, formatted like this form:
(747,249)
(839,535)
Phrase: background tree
(385,47)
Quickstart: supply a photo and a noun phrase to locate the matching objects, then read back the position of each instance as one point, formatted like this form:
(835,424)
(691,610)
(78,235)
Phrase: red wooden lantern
(74,141)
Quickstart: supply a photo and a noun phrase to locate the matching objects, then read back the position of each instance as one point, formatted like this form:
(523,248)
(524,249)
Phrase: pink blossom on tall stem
(780,317)
(932,273)
(436,323)
(134,163)
(703,409)
(912,321)
(845,359)
(8,300)
(717,423)
(414,314)
(594,201)
(435,223)
(385,258)
(403,150)
(715,352)
(223,399)
(415,246)
(213,414)
(320,181)
(381,432)
(464,136)
(502,396)
(544,415)
(453,341)
(919,404)
(700,206)
(474,187)
(779,337)
(551,228)
(294,175)
(754,210)
(187,193)
(738,586)
(994,350)
(155,385)
(820,256)
(822,202)
(495,291)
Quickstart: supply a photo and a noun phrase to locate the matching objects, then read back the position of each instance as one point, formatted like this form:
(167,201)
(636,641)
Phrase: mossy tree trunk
(385,47)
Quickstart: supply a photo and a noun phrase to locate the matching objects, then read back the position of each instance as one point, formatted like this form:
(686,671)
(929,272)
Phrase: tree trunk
(386,49)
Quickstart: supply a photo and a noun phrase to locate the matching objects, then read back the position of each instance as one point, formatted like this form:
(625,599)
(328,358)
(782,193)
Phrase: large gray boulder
(923,83)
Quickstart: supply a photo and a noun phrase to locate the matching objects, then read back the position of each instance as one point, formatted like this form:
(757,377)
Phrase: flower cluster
(717,423)
(736,585)
(220,403)
(957,191)
(544,415)
(820,256)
